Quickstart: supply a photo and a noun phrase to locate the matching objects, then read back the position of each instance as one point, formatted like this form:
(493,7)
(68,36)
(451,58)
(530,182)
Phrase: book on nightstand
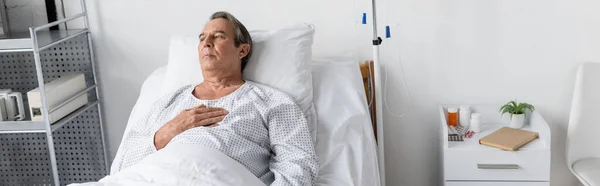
(508,138)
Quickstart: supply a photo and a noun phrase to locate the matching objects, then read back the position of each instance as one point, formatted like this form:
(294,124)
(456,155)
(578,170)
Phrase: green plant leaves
(514,107)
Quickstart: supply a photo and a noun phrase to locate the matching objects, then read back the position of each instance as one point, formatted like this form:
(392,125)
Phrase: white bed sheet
(345,145)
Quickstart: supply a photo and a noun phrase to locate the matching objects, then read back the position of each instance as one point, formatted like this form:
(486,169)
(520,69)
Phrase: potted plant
(517,112)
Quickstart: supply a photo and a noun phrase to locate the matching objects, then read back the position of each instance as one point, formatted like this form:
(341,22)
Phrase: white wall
(473,51)
(463,51)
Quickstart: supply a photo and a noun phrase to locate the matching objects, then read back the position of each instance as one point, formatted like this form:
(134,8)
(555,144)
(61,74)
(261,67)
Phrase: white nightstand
(467,163)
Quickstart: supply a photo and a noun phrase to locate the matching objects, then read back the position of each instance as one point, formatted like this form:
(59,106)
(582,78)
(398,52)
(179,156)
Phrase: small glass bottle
(452,116)
(476,122)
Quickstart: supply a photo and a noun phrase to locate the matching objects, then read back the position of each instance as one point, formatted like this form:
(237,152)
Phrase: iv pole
(380,150)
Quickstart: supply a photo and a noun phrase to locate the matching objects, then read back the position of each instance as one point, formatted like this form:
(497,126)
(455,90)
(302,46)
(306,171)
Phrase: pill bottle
(464,116)
(453,116)
(476,122)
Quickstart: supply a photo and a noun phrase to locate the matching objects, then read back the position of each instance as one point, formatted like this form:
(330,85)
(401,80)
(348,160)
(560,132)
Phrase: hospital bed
(345,143)
(340,119)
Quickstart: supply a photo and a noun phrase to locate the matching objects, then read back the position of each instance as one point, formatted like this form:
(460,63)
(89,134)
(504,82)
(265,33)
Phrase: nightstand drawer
(474,183)
(496,165)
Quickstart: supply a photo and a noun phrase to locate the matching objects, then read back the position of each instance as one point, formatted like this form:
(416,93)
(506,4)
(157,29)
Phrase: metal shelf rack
(75,144)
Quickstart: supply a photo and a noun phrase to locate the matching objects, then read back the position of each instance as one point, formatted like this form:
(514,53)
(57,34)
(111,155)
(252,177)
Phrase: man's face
(217,50)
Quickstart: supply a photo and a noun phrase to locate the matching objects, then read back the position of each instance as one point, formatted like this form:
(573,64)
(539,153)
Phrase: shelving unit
(73,148)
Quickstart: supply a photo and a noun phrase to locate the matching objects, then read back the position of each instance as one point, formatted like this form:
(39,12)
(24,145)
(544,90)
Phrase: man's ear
(245,48)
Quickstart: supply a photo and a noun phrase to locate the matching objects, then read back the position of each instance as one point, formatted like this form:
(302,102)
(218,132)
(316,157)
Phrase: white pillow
(183,67)
(280,59)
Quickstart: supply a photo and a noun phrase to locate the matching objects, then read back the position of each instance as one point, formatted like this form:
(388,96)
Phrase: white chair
(583,135)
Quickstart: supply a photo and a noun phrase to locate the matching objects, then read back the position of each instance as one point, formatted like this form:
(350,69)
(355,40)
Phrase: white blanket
(182,165)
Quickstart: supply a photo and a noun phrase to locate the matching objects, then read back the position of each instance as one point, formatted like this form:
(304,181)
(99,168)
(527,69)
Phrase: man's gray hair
(242,36)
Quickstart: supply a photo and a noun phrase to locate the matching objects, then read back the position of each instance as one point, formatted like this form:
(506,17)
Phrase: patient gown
(265,131)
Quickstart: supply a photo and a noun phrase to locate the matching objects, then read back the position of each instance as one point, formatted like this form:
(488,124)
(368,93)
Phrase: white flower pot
(517,121)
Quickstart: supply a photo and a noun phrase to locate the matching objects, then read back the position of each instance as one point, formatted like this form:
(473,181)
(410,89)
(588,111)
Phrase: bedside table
(467,163)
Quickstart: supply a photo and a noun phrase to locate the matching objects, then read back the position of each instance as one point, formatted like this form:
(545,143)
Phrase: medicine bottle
(476,122)
(464,116)
(452,116)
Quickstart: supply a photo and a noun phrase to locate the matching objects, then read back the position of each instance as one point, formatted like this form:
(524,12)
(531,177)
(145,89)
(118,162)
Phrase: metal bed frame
(78,138)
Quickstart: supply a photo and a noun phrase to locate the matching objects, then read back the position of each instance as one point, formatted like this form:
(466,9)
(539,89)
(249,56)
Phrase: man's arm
(294,161)
(137,143)
(190,118)
(146,138)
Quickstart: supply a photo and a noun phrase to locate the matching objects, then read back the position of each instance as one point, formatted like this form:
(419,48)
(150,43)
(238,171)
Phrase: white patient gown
(265,131)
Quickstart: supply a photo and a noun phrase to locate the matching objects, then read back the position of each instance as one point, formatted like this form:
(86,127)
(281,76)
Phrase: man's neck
(217,80)
(214,88)
(218,83)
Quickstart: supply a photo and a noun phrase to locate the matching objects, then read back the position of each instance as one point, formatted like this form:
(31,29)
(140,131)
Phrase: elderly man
(258,126)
